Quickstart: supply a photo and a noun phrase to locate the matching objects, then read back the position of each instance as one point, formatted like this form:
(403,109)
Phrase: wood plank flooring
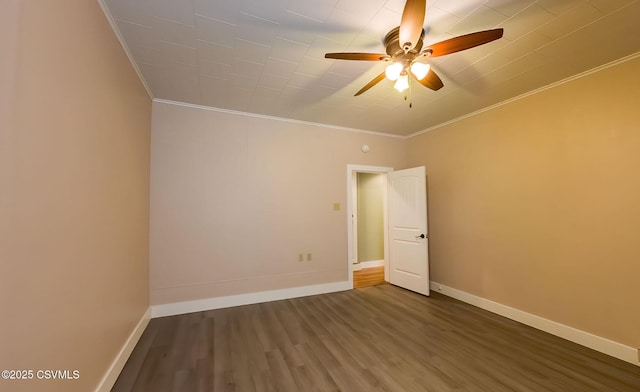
(368,277)
(378,338)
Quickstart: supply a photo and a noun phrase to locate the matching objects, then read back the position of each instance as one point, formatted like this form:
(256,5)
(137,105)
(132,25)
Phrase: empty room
(327,195)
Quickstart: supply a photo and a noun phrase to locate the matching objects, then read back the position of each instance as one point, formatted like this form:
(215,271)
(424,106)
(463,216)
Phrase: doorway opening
(367,225)
(405,235)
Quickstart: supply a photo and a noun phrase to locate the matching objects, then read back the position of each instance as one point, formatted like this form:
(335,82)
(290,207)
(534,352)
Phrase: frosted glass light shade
(402,83)
(420,70)
(393,71)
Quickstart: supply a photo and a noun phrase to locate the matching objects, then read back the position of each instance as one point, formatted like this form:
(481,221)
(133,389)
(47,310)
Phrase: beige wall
(536,204)
(235,199)
(74,188)
(371,187)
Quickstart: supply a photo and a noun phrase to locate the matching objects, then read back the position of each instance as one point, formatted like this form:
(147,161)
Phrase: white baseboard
(110,377)
(372,263)
(603,345)
(368,264)
(172,309)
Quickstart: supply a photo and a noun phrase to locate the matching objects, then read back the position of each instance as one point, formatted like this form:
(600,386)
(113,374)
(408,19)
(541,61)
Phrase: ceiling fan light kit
(420,70)
(393,71)
(404,57)
(403,82)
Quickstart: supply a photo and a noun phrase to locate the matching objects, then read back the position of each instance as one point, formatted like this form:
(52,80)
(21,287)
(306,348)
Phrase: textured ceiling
(267,56)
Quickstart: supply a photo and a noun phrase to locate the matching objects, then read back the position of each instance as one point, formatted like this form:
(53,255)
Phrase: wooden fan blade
(411,24)
(432,81)
(357,56)
(372,83)
(464,42)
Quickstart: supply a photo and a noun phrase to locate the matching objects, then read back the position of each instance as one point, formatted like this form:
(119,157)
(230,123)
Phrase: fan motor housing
(392,44)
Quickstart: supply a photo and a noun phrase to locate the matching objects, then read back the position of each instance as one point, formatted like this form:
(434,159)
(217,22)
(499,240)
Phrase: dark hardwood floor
(378,338)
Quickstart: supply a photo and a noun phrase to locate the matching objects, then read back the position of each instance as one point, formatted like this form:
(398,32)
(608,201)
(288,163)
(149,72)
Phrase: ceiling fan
(405,50)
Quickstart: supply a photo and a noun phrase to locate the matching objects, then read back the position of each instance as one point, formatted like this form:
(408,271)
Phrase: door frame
(352,184)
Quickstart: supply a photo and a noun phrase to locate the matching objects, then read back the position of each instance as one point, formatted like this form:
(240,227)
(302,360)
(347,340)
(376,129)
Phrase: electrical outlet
(309,256)
(300,257)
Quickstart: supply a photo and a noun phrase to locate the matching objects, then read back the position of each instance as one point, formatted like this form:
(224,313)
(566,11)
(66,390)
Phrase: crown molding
(274,118)
(532,92)
(114,27)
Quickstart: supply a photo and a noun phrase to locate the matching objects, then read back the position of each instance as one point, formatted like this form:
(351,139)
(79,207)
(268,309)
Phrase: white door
(408,237)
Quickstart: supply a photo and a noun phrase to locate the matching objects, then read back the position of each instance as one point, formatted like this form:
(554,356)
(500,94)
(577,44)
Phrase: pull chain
(405,97)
